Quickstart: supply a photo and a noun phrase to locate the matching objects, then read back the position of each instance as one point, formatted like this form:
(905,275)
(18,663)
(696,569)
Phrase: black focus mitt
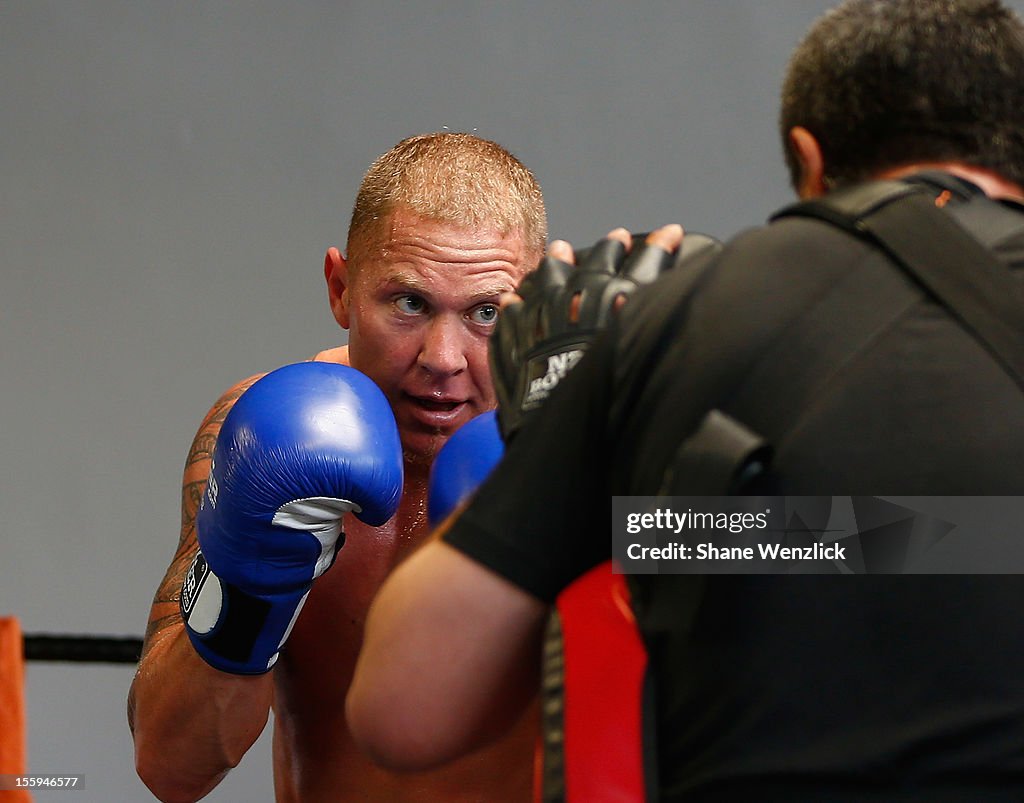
(538,340)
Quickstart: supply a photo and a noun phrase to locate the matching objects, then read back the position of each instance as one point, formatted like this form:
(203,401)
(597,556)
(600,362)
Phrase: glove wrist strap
(230,629)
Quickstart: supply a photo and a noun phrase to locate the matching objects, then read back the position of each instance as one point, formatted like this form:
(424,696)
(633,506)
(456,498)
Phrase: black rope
(89,649)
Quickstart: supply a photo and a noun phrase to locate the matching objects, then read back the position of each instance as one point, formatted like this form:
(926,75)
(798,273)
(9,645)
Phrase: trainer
(809,338)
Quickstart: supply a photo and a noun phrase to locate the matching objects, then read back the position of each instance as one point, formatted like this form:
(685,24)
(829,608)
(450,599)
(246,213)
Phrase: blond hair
(454,178)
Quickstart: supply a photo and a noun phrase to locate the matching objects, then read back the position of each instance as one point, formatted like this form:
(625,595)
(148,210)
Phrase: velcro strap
(231,629)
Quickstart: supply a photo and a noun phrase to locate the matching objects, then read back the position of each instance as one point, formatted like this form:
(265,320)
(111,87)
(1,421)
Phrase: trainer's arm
(450,659)
(191,723)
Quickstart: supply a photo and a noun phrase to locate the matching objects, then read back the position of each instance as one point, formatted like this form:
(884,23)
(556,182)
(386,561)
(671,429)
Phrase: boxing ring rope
(82,649)
(16,649)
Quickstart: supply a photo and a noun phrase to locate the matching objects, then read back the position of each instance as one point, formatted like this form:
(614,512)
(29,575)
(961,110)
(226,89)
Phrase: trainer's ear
(336,273)
(812,162)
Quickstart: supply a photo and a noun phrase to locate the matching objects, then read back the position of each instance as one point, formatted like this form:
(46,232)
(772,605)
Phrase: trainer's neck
(988,181)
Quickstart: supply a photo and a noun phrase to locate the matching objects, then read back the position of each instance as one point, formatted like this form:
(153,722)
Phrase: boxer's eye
(411,305)
(485,314)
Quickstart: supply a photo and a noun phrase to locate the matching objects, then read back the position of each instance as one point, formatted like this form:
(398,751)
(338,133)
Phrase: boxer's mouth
(437,405)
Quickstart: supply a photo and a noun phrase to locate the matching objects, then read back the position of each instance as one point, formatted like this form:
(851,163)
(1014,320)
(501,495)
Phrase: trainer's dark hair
(884,83)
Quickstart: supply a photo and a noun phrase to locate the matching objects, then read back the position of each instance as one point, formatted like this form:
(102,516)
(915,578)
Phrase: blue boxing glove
(302,447)
(464,462)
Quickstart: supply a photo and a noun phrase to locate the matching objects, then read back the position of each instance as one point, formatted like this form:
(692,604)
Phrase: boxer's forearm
(191,723)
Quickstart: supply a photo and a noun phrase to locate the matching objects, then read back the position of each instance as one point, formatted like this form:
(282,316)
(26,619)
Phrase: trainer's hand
(559,310)
(302,447)
(668,238)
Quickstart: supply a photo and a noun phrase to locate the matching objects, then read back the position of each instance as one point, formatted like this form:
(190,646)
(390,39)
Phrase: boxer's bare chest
(314,756)
(329,631)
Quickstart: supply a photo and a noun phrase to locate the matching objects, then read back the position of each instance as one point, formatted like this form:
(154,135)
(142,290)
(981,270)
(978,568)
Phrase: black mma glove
(536,342)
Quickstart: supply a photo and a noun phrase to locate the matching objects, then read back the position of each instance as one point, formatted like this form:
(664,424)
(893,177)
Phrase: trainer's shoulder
(781,267)
(792,243)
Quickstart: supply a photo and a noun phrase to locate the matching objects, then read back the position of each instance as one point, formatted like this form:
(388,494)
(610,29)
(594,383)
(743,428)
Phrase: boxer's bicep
(165,612)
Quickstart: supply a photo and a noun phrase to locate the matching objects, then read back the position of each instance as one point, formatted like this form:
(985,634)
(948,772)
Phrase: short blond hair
(454,178)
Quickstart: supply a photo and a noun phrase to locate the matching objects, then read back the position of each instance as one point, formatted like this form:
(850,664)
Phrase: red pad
(605,662)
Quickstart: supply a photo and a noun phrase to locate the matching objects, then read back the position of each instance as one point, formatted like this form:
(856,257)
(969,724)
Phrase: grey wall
(171,176)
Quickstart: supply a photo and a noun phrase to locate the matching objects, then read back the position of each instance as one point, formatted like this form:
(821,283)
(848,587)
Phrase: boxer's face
(419,314)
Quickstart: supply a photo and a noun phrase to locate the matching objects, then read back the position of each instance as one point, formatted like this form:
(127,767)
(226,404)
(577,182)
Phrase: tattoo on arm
(164,613)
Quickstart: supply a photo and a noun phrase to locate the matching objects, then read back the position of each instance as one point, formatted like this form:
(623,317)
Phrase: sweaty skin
(419,317)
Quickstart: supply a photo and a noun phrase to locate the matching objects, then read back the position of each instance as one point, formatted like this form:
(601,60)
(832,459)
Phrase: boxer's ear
(336,274)
(812,163)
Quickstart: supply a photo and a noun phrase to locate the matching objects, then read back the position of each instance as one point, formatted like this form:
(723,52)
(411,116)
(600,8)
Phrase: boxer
(275,574)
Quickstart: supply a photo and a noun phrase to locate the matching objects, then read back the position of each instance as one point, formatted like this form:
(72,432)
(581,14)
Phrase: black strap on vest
(933,253)
(939,254)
